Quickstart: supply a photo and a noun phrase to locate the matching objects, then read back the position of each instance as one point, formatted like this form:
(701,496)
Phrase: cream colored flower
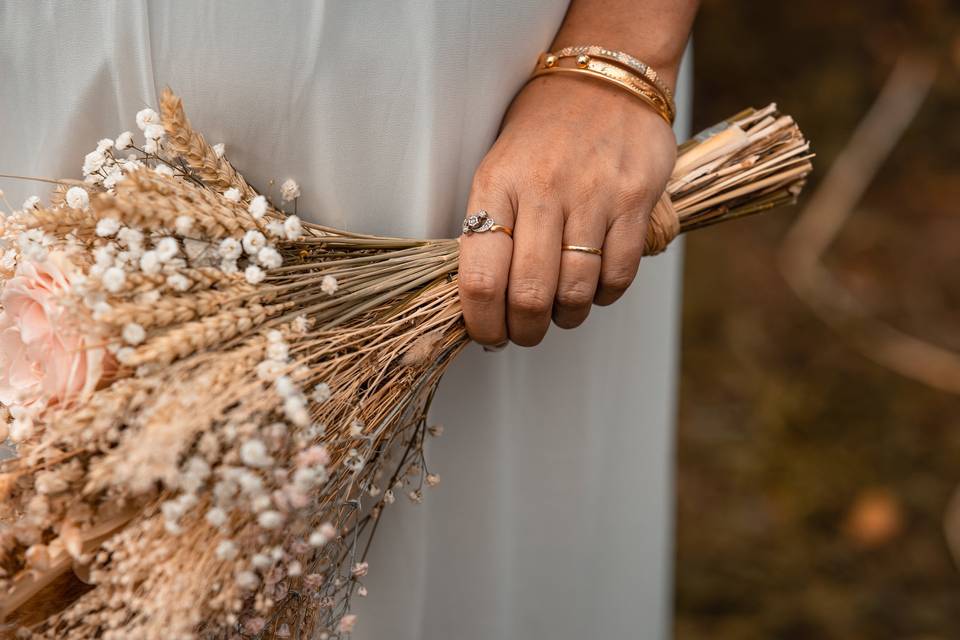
(258,207)
(253,453)
(114,279)
(269,258)
(254,274)
(164,170)
(153,131)
(93,161)
(293,227)
(226,550)
(150,263)
(230,249)
(78,198)
(115,176)
(321,393)
(270,519)
(146,117)
(178,282)
(124,140)
(347,623)
(167,249)
(253,241)
(133,333)
(107,227)
(289,190)
(329,285)
(183,224)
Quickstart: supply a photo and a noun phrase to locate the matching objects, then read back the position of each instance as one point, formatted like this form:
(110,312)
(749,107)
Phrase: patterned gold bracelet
(550,63)
(646,71)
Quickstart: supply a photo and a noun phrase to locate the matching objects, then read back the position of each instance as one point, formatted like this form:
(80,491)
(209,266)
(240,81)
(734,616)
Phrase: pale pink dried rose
(45,358)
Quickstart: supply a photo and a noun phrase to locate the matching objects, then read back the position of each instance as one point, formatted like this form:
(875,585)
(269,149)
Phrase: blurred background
(815,484)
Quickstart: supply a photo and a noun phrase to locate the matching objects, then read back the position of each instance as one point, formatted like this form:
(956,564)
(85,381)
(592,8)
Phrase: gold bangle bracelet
(614,72)
(615,75)
(646,71)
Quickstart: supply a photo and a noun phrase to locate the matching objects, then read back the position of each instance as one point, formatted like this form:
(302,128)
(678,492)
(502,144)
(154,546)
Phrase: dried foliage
(249,391)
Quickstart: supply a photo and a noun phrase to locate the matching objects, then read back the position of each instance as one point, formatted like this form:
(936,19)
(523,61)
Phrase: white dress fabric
(553,519)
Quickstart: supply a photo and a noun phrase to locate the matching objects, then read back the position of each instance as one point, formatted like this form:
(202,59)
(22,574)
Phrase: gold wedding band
(576,247)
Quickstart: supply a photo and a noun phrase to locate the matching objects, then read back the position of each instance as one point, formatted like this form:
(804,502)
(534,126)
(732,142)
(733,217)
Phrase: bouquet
(212,401)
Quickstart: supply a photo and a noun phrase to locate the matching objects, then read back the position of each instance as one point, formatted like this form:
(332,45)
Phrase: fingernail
(496,347)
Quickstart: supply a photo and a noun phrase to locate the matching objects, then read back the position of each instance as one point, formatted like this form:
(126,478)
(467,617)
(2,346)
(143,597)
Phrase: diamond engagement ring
(481,222)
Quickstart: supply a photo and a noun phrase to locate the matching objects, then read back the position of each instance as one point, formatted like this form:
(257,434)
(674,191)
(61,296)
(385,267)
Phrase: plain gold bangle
(612,74)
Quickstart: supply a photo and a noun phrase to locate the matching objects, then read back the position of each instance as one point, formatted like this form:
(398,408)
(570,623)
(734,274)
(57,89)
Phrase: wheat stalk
(213,169)
(151,201)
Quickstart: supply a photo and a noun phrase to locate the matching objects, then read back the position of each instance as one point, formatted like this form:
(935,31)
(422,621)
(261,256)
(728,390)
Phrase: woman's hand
(577,162)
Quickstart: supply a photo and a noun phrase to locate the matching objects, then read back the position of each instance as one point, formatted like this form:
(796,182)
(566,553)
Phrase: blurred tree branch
(830,207)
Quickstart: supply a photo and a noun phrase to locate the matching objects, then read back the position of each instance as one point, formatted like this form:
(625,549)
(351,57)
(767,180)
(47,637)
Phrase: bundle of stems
(250,391)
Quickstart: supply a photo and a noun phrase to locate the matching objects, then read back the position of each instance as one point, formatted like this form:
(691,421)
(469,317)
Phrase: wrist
(654,31)
(589,100)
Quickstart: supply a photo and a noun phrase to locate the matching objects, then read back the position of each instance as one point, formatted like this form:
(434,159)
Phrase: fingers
(579,271)
(535,268)
(622,250)
(485,264)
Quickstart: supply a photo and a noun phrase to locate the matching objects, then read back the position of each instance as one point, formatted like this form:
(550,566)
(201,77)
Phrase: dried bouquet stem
(234,395)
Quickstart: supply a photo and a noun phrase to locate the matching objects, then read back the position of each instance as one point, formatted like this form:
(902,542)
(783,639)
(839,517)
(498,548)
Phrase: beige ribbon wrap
(662,228)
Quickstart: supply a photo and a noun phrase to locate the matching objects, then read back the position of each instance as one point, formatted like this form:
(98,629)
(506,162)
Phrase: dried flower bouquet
(212,401)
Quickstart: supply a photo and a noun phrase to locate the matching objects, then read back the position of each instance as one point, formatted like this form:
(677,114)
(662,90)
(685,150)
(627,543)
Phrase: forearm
(655,31)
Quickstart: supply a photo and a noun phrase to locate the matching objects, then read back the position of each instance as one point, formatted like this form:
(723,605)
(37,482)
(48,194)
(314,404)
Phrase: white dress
(553,519)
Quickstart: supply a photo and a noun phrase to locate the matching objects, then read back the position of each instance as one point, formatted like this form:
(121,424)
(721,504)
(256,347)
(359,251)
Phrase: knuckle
(489,178)
(529,297)
(479,286)
(634,198)
(575,295)
(543,181)
(593,187)
(617,280)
